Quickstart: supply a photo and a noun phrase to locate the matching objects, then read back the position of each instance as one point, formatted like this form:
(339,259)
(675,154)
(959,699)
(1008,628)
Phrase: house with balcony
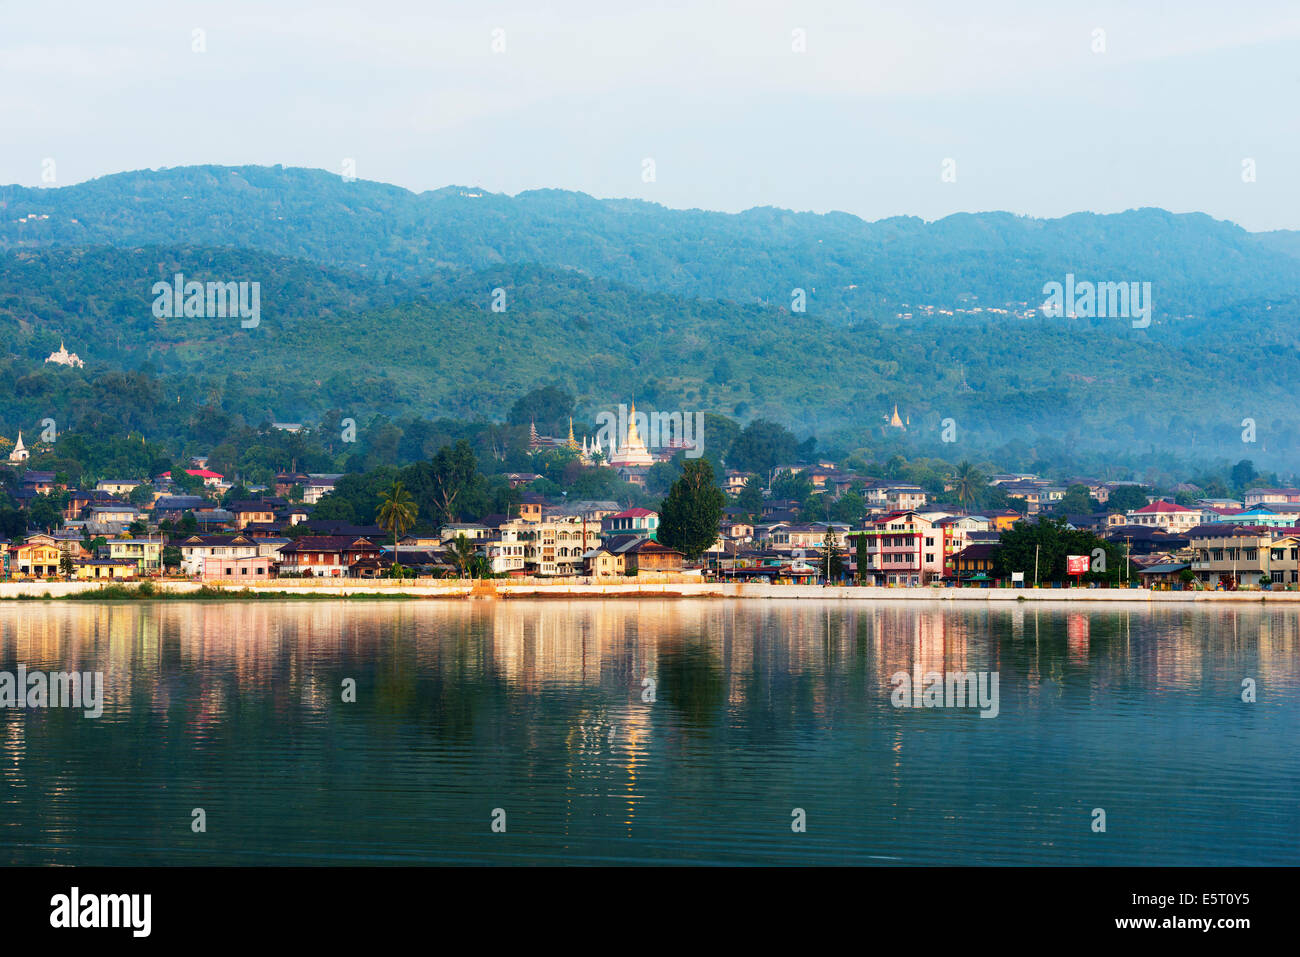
(1240,556)
(327,556)
(146,553)
(197,549)
(554,545)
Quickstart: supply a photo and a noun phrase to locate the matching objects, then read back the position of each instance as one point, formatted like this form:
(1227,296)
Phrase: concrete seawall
(491,590)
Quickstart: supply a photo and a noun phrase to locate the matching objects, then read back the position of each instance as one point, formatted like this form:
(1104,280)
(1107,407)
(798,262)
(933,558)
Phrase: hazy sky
(732,116)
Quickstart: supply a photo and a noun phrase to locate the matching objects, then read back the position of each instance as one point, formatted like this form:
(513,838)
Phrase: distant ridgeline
(373,300)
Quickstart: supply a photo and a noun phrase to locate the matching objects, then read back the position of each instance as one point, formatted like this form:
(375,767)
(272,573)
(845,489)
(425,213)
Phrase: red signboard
(1076,564)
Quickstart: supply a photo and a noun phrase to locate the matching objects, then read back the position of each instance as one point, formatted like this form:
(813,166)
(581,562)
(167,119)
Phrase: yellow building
(92,568)
(144,553)
(37,560)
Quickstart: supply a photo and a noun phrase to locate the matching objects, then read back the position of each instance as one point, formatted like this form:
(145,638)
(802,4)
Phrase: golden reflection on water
(260,645)
(562,688)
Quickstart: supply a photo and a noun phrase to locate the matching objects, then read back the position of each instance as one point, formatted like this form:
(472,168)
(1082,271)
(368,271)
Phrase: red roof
(1163,506)
(635,513)
(201,473)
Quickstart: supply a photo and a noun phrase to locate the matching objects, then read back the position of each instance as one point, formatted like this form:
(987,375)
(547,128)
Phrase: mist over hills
(378,300)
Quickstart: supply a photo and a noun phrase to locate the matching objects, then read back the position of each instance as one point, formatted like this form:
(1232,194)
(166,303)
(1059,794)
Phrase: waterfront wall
(502,589)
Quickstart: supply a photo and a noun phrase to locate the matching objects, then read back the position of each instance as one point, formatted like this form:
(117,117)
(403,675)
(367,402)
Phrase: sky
(921,108)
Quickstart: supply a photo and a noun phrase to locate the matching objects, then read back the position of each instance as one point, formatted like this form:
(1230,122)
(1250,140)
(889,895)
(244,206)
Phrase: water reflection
(665,731)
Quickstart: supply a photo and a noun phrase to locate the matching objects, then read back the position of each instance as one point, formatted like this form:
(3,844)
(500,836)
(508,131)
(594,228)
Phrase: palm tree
(967,483)
(397,512)
(462,554)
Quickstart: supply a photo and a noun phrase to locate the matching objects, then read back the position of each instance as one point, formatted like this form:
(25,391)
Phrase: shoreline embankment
(500,589)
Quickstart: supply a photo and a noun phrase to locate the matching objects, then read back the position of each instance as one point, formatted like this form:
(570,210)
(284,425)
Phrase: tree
(47,511)
(1044,545)
(832,557)
(548,407)
(65,565)
(761,446)
(689,516)
(462,554)
(396,512)
(441,484)
(750,497)
(1243,474)
(1077,501)
(862,556)
(1127,498)
(792,485)
(141,495)
(967,483)
(849,508)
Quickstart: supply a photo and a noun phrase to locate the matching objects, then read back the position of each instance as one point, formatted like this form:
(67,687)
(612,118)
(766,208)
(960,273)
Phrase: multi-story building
(902,548)
(197,549)
(552,546)
(1244,555)
(894,497)
(1269,496)
(805,536)
(145,552)
(327,556)
(1168,516)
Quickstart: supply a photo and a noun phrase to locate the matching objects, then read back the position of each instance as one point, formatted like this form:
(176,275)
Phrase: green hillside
(332,339)
(850,269)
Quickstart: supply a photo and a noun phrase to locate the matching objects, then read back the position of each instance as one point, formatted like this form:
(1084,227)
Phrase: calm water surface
(759,708)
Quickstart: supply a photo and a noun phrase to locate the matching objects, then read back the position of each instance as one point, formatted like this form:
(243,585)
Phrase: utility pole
(1036,548)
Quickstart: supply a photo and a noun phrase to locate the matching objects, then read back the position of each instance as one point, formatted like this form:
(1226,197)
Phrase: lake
(651,731)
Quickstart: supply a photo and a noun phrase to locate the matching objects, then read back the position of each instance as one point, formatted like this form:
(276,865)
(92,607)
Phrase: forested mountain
(850,269)
(336,339)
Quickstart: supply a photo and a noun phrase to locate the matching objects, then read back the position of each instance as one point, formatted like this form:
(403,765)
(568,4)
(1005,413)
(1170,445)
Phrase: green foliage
(615,299)
(750,497)
(832,557)
(761,446)
(1126,498)
(46,511)
(792,485)
(397,511)
(1077,501)
(1044,545)
(689,516)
